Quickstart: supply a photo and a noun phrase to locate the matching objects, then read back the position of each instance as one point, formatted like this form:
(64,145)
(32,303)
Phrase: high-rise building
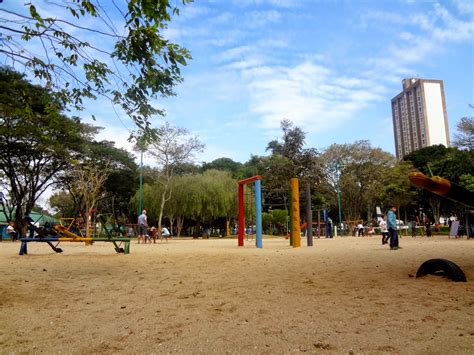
(419,116)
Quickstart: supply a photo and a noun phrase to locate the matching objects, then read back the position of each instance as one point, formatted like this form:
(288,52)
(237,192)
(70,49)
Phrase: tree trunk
(227,227)
(179,225)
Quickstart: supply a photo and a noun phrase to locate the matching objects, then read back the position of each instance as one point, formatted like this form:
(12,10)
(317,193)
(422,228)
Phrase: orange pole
(295,206)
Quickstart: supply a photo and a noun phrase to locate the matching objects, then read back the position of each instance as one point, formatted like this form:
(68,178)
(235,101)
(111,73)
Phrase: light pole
(141,182)
(338,175)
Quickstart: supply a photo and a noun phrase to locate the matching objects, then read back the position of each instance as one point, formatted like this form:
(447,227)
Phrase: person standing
(392,228)
(142,227)
(383,229)
(11,231)
(428,226)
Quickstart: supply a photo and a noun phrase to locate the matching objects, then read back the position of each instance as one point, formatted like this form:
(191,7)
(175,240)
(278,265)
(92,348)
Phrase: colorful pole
(295,207)
(290,216)
(258,213)
(241,206)
(241,215)
(309,217)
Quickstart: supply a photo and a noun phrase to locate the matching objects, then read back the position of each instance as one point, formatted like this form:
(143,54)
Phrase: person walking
(142,227)
(392,228)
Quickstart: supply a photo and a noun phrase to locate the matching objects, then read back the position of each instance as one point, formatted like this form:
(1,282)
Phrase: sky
(330,67)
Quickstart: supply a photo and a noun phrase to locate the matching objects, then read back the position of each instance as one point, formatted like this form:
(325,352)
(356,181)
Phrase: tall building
(419,116)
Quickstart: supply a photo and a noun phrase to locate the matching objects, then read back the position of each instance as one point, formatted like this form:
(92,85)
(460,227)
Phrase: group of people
(148,234)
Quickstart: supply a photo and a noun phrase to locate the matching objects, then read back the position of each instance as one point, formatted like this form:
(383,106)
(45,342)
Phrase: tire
(441,267)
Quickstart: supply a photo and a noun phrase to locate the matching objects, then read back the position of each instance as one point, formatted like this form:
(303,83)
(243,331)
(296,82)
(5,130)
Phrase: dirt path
(344,295)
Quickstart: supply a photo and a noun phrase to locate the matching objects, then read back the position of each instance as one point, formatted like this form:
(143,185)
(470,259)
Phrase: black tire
(442,267)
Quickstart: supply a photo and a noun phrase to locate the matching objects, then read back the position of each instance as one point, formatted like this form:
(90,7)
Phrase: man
(392,228)
(142,227)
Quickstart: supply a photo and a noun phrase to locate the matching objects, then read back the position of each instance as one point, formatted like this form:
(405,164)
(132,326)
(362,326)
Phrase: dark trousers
(393,237)
(385,237)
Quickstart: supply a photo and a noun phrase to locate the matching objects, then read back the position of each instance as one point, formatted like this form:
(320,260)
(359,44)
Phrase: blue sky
(331,67)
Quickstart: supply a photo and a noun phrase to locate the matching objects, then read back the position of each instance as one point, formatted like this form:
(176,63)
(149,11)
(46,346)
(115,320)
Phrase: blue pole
(258,212)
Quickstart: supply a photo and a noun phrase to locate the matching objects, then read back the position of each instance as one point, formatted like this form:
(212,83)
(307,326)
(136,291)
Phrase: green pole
(141,182)
(338,196)
(291,217)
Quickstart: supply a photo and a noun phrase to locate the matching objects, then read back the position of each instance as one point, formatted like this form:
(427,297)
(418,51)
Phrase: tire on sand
(442,267)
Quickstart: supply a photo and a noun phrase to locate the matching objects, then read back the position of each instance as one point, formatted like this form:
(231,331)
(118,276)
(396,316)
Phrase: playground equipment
(258,210)
(295,237)
(443,187)
(55,234)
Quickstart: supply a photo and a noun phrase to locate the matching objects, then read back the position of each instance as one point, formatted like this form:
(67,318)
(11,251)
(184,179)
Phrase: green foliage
(63,204)
(37,142)
(359,169)
(467,181)
(224,164)
(75,61)
(280,217)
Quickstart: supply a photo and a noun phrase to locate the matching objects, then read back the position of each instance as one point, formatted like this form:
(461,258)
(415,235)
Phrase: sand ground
(344,295)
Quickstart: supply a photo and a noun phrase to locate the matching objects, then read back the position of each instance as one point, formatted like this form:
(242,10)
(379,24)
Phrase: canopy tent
(37,217)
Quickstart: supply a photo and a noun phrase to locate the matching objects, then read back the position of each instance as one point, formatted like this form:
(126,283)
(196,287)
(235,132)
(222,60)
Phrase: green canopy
(37,217)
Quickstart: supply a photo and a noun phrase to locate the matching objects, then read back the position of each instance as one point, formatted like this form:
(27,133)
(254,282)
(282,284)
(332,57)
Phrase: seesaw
(59,233)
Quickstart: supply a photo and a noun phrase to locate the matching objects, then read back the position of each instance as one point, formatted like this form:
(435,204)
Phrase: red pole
(241,215)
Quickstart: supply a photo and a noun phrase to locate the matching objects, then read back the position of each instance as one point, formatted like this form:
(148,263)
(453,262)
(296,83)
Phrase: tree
(88,181)
(397,190)
(170,147)
(289,159)
(37,142)
(360,171)
(63,204)
(128,65)
(225,164)
(464,139)
(302,161)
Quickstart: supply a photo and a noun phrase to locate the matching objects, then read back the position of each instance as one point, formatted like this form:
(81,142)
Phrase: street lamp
(338,175)
(141,182)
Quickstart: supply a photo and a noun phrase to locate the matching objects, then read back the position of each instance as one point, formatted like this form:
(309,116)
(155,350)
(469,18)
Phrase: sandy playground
(344,295)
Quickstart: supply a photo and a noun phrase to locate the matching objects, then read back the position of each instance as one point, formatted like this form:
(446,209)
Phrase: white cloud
(256,19)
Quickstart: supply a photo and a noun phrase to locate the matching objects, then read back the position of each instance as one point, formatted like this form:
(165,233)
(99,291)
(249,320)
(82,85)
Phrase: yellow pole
(295,206)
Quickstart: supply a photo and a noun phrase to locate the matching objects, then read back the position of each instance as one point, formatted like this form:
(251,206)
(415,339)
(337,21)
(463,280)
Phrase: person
(153,234)
(360,230)
(383,229)
(142,227)
(331,235)
(165,233)
(428,226)
(11,231)
(392,228)
(413,224)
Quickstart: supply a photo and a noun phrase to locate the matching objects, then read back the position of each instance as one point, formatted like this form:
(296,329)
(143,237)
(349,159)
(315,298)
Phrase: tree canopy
(36,140)
(123,56)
